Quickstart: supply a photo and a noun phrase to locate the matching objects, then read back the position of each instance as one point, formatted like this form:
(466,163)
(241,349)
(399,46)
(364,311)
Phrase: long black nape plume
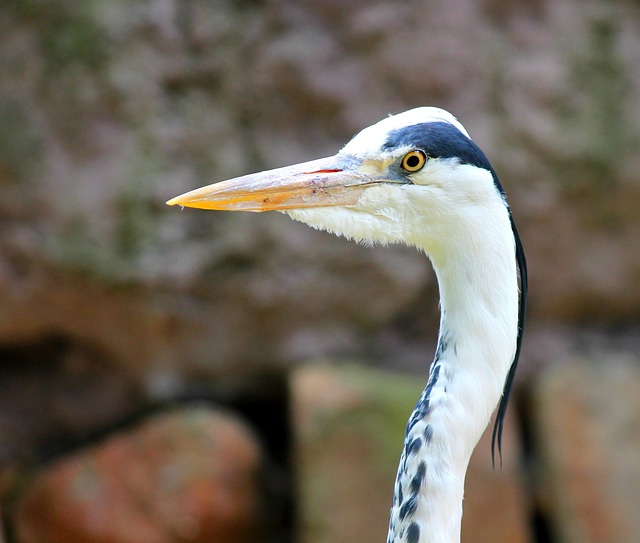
(498,427)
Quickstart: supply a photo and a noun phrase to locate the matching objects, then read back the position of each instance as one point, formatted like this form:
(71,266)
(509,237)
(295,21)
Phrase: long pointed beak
(332,181)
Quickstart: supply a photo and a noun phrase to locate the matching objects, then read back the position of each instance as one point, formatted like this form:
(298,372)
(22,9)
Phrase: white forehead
(371,139)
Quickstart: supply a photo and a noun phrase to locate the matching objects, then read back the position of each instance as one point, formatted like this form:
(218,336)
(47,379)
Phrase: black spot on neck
(418,478)
(413,533)
(409,507)
(414,446)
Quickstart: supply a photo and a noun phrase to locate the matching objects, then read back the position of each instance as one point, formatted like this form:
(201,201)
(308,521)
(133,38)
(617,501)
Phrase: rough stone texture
(350,428)
(109,108)
(188,475)
(587,439)
(110,301)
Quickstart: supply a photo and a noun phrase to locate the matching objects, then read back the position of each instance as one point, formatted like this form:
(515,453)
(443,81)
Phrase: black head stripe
(439,140)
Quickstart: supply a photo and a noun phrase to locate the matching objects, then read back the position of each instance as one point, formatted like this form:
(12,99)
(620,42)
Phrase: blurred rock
(497,506)
(106,111)
(587,442)
(57,393)
(350,425)
(349,429)
(187,475)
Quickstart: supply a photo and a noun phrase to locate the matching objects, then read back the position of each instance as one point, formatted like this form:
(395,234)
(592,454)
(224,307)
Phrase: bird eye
(413,161)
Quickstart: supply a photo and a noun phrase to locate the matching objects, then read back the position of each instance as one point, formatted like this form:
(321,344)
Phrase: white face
(413,178)
(426,207)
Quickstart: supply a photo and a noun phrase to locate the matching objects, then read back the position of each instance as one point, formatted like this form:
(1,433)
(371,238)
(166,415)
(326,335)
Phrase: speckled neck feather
(478,336)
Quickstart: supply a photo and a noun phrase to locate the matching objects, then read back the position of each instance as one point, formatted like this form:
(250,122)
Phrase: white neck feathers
(479,301)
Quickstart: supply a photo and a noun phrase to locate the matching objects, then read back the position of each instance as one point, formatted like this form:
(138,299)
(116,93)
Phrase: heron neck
(478,334)
(478,330)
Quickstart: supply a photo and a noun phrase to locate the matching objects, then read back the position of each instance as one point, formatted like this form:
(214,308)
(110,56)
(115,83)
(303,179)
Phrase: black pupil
(413,161)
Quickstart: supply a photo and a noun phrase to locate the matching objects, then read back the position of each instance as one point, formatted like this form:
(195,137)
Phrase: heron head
(415,178)
(410,177)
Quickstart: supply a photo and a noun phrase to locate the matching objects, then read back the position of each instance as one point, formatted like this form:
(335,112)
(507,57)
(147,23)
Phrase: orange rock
(188,475)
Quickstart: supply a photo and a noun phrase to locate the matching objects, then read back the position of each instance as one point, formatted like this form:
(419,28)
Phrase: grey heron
(417,178)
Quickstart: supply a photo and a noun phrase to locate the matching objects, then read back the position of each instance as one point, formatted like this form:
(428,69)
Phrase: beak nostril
(321,171)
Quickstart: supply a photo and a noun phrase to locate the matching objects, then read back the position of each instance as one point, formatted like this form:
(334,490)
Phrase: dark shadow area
(60,395)
(540,526)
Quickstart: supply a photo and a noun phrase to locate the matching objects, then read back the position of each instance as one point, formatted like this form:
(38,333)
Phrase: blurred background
(171,376)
